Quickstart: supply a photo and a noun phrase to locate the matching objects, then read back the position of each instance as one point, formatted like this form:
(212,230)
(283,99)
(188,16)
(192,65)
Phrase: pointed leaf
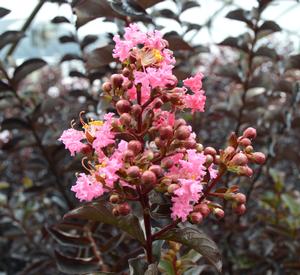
(234,42)
(267,28)
(189,5)
(293,62)
(67,39)
(241,15)
(60,19)
(70,56)
(101,211)
(129,8)
(176,42)
(3,12)
(87,40)
(149,3)
(197,240)
(99,57)
(28,67)
(267,52)
(70,265)
(5,86)
(10,37)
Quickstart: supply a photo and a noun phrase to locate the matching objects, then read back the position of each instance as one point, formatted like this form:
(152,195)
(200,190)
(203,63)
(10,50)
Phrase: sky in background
(285,12)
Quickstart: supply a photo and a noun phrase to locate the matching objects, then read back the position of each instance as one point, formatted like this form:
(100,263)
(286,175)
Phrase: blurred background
(54,57)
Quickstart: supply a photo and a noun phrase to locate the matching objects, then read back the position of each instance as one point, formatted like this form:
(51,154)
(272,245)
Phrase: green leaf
(167,267)
(28,67)
(70,265)
(292,204)
(197,240)
(101,211)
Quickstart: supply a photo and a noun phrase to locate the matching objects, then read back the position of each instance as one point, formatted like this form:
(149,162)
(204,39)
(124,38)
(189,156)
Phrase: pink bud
(106,87)
(196,217)
(189,144)
(135,146)
(249,133)
(126,72)
(133,172)
(167,163)
(166,132)
(239,159)
(179,122)
(249,149)
(245,142)
(136,110)
(258,158)
(240,198)
(114,198)
(148,177)
(219,213)
(157,170)
(123,106)
(183,132)
(124,209)
(245,171)
(172,187)
(209,160)
(115,211)
(128,155)
(125,119)
(116,80)
(159,142)
(203,209)
(158,103)
(210,151)
(240,209)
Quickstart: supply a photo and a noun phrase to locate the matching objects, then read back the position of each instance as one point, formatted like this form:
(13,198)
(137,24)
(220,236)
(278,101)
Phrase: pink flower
(87,187)
(188,193)
(163,118)
(196,102)
(194,83)
(71,138)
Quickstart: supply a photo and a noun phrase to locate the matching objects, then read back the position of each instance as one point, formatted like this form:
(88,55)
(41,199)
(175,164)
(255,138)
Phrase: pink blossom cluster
(146,147)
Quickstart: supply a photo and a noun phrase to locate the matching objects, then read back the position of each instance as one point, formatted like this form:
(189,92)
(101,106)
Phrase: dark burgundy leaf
(235,42)
(3,12)
(176,42)
(67,39)
(87,40)
(76,74)
(99,57)
(230,70)
(268,27)
(148,3)
(166,13)
(293,62)
(267,52)
(189,4)
(27,67)
(10,37)
(60,19)
(71,56)
(241,15)
(14,123)
(4,86)
(70,265)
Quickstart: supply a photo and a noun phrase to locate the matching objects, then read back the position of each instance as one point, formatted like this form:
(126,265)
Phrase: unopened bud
(183,132)
(199,147)
(126,72)
(196,217)
(245,171)
(148,177)
(240,198)
(167,163)
(135,146)
(172,187)
(106,87)
(124,209)
(159,142)
(239,159)
(136,110)
(189,144)
(125,119)
(210,151)
(249,133)
(128,155)
(240,209)
(123,106)
(245,142)
(114,198)
(115,211)
(249,149)
(203,209)
(209,160)
(157,170)
(133,172)
(166,132)
(158,103)
(258,158)
(219,213)
(116,80)
(179,122)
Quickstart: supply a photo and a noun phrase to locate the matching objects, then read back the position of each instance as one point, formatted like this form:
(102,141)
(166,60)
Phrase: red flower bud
(128,155)
(228,153)
(245,171)
(115,211)
(116,80)
(209,160)
(249,133)
(219,213)
(245,142)
(148,177)
(182,133)
(124,209)
(167,163)
(135,146)
(240,198)
(196,217)
(133,172)
(136,110)
(166,132)
(210,151)
(123,106)
(203,209)
(172,187)
(239,159)
(189,144)
(258,158)
(126,72)
(159,143)
(106,87)
(125,119)
(157,170)
(240,209)
(87,149)
(114,198)
(179,122)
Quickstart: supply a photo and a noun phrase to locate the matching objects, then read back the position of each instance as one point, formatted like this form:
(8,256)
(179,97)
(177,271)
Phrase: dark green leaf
(70,265)
(3,12)
(27,67)
(189,4)
(14,123)
(167,267)
(87,40)
(176,42)
(292,204)
(4,86)
(10,37)
(67,39)
(68,239)
(138,265)
(101,211)
(197,240)
(99,57)
(60,19)
(152,269)
(267,52)
(241,15)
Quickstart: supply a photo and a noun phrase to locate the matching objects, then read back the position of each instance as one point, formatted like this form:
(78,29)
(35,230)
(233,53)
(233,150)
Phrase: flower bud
(245,171)
(116,80)
(166,132)
(126,72)
(199,147)
(203,209)
(106,87)
(159,143)
(157,170)
(245,142)
(210,151)
(183,132)
(240,198)
(196,217)
(128,155)
(124,209)
(240,209)
(228,153)
(125,119)
(166,181)
(167,163)
(258,158)
(133,172)
(158,103)
(209,160)
(87,149)
(115,211)
(114,198)
(249,149)
(136,110)
(219,213)
(123,106)
(172,187)
(217,159)
(148,178)
(135,146)
(179,122)
(239,159)
(249,133)
(189,144)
